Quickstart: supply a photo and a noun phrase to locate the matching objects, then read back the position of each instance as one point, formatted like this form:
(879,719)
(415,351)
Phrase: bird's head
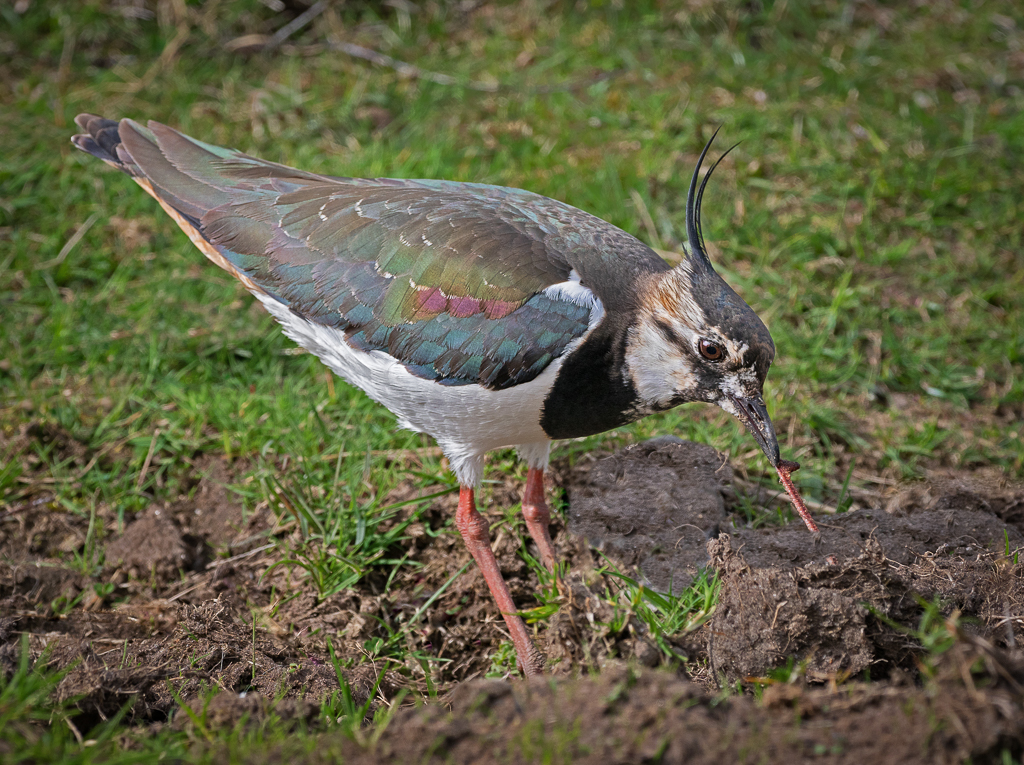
(695,339)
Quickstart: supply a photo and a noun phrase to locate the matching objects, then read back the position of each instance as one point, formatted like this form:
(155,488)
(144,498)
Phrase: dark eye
(711,351)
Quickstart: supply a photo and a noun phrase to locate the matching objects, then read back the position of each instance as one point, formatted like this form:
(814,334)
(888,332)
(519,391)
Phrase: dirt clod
(653,505)
(768,616)
(152,545)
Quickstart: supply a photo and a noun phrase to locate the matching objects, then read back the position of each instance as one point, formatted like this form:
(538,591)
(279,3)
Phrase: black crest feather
(694,198)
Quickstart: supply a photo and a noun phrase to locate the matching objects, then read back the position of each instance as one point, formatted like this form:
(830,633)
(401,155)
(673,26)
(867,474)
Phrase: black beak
(753,413)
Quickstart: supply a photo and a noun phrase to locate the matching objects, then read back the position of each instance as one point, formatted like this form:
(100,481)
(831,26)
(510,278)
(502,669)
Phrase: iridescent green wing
(447,278)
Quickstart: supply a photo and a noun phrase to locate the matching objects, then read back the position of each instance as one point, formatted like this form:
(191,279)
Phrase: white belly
(466,420)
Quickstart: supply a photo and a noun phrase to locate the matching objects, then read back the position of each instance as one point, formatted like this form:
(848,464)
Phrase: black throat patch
(591,393)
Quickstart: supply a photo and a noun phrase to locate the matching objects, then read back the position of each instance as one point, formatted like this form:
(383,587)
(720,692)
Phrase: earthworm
(785,467)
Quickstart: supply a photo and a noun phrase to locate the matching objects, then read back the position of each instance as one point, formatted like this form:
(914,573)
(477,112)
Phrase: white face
(673,356)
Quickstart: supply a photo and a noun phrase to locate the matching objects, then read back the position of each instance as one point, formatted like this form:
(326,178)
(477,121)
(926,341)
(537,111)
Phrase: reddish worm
(785,468)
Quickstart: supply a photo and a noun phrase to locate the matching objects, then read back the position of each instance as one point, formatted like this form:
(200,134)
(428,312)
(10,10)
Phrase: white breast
(466,420)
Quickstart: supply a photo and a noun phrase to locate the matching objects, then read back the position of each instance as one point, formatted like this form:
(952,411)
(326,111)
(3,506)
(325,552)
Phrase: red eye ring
(711,351)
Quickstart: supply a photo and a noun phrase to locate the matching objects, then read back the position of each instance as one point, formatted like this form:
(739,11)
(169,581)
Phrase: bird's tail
(102,140)
(184,175)
(179,171)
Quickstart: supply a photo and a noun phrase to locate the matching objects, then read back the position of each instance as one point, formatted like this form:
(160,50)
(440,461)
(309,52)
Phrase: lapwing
(484,316)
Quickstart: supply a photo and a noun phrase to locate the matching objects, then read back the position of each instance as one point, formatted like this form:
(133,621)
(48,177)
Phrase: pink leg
(535,511)
(475,533)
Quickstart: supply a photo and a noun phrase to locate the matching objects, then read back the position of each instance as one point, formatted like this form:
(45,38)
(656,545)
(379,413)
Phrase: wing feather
(448,278)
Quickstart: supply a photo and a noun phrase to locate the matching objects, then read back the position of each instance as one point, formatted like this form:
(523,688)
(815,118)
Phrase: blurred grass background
(871,215)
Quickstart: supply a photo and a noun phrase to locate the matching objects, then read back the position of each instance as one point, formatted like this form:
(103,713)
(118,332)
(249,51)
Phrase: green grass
(666,615)
(35,729)
(343,532)
(871,215)
(878,236)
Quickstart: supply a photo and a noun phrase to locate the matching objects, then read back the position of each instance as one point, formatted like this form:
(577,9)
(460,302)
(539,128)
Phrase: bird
(484,316)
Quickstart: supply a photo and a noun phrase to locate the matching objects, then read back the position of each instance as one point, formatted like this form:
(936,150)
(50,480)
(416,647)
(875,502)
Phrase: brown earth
(623,716)
(186,601)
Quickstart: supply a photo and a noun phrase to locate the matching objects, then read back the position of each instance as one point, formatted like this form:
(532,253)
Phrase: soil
(652,505)
(810,653)
(624,716)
